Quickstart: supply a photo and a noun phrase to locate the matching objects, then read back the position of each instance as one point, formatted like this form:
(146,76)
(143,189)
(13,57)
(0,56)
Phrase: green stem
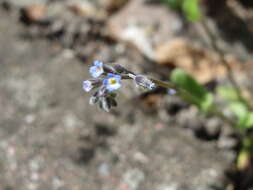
(214,111)
(164,84)
(183,93)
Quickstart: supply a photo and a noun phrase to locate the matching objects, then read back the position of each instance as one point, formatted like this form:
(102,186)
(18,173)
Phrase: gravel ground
(52,139)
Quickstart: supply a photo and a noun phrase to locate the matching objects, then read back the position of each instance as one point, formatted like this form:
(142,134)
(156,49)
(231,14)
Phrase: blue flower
(97,69)
(112,82)
(87,85)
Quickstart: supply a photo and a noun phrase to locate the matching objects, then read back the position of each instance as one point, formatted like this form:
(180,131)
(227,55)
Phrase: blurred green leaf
(174,4)
(249,120)
(194,92)
(242,114)
(238,108)
(228,93)
(207,103)
(245,154)
(191,10)
(243,159)
(246,122)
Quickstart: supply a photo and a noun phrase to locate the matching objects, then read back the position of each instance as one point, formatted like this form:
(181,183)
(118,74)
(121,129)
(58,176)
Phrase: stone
(142,28)
(35,12)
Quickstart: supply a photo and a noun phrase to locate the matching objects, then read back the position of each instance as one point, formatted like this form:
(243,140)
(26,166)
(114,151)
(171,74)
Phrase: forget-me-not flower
(107,78)
(112,82)
(87,85)
(97,69)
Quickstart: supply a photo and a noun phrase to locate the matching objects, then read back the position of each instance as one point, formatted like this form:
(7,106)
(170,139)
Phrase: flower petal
(98,63)
(87,85)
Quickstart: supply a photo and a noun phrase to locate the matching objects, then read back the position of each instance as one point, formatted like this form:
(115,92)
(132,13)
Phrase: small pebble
(133,178)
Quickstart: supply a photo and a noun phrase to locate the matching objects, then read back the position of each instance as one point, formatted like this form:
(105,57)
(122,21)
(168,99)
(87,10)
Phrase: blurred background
(51,138)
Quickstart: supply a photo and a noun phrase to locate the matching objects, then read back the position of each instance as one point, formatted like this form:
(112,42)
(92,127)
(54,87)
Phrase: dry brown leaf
(195,61)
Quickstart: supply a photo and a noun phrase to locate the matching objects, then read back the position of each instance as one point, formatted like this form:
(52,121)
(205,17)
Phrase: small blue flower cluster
(108,78)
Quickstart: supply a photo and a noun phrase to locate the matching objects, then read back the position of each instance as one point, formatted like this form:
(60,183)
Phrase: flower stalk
(108,78)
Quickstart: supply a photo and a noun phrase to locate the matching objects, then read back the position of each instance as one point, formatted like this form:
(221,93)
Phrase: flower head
(106,79)
(97,69)
(112,82)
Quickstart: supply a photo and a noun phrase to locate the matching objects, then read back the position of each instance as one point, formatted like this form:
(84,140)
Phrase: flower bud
(144,82)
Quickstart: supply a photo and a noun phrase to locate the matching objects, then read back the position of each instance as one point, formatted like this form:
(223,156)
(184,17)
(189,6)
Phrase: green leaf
(192,91)
(191,10)
(246,153)
(207,103)
(243,115)
(246,122)
(239,109)
(228,93)
(249,120)
(243,159)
